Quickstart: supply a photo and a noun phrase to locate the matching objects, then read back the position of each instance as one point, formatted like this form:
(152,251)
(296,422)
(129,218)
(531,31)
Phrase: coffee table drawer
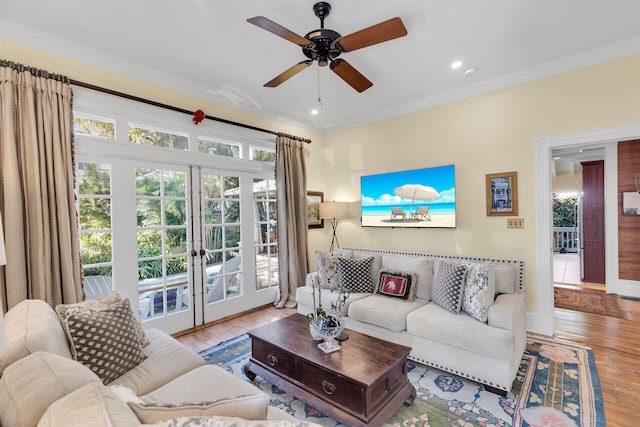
(273,357)
(332,387)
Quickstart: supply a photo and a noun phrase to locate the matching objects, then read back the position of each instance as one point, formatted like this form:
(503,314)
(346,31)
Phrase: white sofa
(42,385)
(486,352)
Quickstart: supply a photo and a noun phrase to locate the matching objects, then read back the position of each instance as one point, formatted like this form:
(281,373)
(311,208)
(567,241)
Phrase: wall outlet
(515,223)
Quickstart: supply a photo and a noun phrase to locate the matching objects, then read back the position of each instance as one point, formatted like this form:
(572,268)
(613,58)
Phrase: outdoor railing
(565,239)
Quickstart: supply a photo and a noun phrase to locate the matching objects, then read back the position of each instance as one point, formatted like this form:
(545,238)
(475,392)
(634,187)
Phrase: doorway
(577,189)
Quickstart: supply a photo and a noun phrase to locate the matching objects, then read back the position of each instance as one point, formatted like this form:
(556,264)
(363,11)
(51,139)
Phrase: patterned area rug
(557,386)
(589,301)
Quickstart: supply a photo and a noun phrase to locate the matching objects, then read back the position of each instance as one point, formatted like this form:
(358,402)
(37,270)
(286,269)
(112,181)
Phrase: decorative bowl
(328,328)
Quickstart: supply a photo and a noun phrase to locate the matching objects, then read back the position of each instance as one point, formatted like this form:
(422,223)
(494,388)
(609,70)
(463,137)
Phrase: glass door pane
(221,237)
(162,211)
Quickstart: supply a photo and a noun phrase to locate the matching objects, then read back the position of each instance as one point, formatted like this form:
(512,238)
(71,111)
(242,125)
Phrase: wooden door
(593,243)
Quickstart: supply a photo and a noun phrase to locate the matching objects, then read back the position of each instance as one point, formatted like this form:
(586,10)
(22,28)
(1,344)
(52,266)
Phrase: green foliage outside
(564,211)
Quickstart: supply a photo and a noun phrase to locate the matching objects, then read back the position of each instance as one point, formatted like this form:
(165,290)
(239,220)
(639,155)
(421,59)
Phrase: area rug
(557,385)
(589,301)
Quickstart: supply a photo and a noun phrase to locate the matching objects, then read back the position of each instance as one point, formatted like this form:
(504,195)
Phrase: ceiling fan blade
(279,30)
(382,32)
(350,75)
(276,81)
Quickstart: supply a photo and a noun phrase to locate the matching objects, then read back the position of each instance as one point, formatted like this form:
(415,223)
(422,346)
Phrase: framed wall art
(314,198)
(631,203)
(417,198)
(502,194)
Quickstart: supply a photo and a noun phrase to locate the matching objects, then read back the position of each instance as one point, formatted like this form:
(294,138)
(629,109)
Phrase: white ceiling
(207,49)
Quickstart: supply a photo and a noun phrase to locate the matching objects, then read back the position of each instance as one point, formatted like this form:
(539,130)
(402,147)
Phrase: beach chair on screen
(421,213)
(398,212)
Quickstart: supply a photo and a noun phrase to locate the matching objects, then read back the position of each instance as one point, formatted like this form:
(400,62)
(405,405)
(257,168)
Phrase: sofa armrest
(311,277)
(507,311)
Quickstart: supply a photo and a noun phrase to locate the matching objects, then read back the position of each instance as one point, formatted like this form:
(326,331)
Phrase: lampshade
(3,255)
(337,210)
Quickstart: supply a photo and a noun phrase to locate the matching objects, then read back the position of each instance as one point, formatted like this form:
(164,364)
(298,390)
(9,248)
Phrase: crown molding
(21,35)
(570,63)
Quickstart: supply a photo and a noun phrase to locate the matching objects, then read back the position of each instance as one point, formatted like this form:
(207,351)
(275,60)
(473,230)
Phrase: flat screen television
(422,198)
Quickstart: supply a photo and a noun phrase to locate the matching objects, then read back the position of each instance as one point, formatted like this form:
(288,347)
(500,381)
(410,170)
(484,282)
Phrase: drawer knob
(272,360)
(328,387)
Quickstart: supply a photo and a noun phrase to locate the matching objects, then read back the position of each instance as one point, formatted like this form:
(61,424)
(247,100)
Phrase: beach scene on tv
(412,198)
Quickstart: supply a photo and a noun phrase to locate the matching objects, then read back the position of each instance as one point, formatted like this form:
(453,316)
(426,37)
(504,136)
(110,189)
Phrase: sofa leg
(494,390)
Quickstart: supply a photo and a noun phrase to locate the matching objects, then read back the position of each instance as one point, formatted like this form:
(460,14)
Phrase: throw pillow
(397,284)
(355,274)
(98,304)
(328,267)
(106,341)
(479,291)
(448,286)
(125,393)
(92,405)
(245,406)
(231,422)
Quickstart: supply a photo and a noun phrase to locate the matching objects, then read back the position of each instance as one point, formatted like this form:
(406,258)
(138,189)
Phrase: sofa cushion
(92,405)
(304,298)
(98,304)
(461,331)
(479,290)
(505,276)
(166,360)
(32,326)
(328,267)
(448,286)
(422,266)
(397,284)
(106,341)
(34,382)
(383,311)
(356,274)
(251,407)
(206,383)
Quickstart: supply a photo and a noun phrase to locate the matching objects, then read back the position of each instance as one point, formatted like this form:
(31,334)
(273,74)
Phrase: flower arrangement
(318,311)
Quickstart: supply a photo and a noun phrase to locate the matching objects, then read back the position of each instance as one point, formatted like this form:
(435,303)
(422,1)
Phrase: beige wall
(485,134)
(480,135)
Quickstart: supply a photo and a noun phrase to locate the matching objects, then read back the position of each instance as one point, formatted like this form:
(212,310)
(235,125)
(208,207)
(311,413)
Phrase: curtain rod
(182,110)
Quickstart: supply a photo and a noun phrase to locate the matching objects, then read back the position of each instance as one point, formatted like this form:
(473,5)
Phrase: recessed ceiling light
(457,64)
(470,71)
(315,111)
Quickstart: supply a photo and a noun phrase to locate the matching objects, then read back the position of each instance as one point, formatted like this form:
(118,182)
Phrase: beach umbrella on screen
(416,192)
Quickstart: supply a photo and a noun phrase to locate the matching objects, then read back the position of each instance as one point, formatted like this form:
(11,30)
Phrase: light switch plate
(515,223)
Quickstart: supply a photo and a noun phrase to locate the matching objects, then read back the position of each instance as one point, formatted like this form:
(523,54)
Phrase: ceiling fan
(325,46)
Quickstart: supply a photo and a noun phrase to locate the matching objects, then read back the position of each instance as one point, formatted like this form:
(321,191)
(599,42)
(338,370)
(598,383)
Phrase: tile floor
(566,268)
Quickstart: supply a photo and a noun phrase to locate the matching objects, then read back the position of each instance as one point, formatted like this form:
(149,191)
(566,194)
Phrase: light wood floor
(615,344)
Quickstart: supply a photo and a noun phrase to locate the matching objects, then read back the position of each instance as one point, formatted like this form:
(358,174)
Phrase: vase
(314,329)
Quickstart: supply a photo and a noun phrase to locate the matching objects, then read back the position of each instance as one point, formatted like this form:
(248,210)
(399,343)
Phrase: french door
(204,240)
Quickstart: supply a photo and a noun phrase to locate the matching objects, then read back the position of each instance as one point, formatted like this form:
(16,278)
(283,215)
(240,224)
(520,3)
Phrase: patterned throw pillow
(479,291)
(397,284)
(98,304)
(327,269)
(106,341)
(355,274)
(448,286)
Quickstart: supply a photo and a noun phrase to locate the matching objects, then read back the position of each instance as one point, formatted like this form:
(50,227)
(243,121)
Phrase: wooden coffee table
(364,383)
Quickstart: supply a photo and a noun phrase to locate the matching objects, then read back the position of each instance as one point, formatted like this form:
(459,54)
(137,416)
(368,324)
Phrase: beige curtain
(291,185)
(36,188)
